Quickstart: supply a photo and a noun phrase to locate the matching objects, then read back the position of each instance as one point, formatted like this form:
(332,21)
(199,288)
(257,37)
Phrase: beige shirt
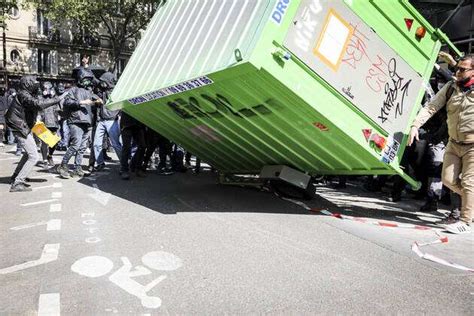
(460,110)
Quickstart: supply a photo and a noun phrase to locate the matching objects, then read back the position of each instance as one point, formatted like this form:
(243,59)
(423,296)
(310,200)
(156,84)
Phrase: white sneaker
(458,228)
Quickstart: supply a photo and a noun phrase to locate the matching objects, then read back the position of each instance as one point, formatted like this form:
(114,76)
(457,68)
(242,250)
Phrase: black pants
(130,134)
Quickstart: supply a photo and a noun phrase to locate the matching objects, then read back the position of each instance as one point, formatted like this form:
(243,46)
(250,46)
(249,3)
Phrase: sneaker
(429,207)
(51,161)
(18,153)
(45,164)
(458,227)
(63,171)
(20,187)
(125,175)
(164,171)
(78,172)
(448,221)
(100,167)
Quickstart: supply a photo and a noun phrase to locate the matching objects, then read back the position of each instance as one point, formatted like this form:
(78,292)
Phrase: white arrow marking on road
(101,197)
(51,225)
(54,208)
(39,202)
(49,304)
(54,185)
(50,253)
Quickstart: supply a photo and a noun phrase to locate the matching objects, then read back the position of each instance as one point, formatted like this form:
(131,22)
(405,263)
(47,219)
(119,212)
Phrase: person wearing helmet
(78,112)
(20,118)
(107,121)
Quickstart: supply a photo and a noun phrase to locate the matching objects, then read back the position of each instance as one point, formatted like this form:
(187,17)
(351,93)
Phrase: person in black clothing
(107,122)
(78,110)
(20,118)
(132,130)
(3,110)
(50,118)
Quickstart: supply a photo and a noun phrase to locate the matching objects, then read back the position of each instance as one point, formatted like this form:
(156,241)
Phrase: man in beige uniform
(458,163)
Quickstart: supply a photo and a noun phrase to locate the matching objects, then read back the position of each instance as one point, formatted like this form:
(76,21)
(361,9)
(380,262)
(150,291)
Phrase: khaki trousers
(458,175)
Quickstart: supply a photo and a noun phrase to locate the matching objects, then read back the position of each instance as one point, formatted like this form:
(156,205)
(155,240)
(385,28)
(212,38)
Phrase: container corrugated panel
(188,38)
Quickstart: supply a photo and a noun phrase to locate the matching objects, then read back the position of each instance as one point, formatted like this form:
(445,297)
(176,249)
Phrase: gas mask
(86,83)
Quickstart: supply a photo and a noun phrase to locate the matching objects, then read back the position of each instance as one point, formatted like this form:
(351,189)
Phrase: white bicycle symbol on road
(98,266)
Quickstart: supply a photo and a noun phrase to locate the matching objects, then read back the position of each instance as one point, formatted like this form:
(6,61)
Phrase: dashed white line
(49,304)
(54,225)
(39,202)
(57,195)
(55,208)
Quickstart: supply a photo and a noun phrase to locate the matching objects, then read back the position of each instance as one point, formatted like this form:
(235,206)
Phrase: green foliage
(121,19)
(5,7)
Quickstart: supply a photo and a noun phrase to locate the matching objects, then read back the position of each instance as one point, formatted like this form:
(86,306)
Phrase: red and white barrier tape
(415,246)
(442,240)
(357,219)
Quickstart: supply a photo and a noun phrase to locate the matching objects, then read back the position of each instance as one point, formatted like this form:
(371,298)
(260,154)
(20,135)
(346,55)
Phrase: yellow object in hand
(45,134)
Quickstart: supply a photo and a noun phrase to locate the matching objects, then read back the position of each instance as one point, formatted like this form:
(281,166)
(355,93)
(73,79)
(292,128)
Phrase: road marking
(54,185)
(51,225)
(54,208)
(44,176)
(54,225)
(124,277)
(57,195)
(100,196)
(39,202)
(50,253)
(49,304)
(12,158)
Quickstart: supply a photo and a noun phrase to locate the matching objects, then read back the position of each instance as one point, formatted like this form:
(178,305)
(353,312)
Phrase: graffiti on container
(377,75)
(356,48)
(216,106)
(395,94)
(306,26)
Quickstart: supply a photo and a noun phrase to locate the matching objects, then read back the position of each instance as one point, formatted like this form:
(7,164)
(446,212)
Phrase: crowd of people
(77,113)
(440,150)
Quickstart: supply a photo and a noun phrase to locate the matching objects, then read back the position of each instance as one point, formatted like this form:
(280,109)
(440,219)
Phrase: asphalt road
(184,244)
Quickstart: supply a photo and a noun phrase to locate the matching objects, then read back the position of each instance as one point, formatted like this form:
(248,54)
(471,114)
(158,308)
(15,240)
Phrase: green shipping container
(324,87)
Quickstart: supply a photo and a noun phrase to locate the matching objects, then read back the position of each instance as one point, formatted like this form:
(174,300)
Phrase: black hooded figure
(21,117)
(78,112)
(107,121)
(50,117)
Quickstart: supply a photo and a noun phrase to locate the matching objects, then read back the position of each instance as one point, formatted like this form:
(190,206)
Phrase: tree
(121,19)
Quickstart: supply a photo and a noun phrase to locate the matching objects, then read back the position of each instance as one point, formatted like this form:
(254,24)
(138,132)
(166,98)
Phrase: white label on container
(390,151)
(171,90)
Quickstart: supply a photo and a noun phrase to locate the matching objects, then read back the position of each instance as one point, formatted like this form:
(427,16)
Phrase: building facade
(32,45)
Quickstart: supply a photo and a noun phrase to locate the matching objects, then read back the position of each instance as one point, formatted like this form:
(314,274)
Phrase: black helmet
(85,78)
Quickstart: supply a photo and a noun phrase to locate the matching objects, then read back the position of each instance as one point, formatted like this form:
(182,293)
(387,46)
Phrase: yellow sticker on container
(45,134)
(333,41)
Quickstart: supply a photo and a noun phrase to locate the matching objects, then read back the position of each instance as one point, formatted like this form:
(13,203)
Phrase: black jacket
(21,116)
(75,112)
(127,121)
(107,84)
(50,116)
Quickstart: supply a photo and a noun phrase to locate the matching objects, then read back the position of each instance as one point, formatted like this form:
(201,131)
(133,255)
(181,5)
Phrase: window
(122,63)
(44,61)
(14,13)
(15,56)
(43,23)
